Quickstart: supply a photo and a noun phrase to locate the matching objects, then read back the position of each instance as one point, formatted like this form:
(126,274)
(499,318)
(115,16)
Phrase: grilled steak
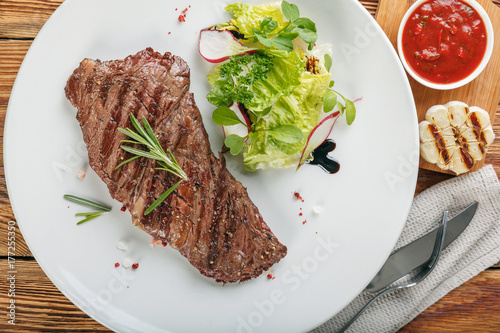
(210,219)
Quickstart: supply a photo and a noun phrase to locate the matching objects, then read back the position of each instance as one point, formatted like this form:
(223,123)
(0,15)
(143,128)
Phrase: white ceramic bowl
(447,86)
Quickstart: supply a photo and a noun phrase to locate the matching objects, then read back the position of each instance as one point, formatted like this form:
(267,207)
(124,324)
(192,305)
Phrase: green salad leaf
(235,143)
(329,101)
(301,109)
(248,17)
(224,116)
(266,24)
(257,81)
(282,90)
(281,80)
(286,133)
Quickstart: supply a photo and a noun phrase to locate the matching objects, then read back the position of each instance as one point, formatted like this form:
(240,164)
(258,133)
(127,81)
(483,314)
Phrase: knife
(410,256)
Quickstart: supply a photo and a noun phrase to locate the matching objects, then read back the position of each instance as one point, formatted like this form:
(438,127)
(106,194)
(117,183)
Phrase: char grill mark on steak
(209,218)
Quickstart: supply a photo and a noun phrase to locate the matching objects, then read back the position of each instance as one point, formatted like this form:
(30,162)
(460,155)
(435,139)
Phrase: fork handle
(349,323)
(438,245)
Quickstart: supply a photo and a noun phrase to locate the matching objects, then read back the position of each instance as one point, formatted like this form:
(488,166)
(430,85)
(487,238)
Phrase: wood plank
(39,305)
(43,308)
(7,221)
(472,307)
(24,18)
(493,155)
(370,5)
(12,53)
(484,91)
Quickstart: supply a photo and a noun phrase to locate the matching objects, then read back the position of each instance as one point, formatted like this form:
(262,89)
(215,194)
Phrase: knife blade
(410,256)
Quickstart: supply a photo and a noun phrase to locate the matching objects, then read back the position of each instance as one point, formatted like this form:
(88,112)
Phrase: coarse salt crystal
(121,245)
(155,242)
(127,262)
(317,209)
(81,174)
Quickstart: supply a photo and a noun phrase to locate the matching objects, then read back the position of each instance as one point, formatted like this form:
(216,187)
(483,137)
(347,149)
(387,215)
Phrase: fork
(421,272)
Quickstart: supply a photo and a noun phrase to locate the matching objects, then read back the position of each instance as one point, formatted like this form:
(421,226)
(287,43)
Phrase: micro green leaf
(290,11)
(307,30)
(264,23)
(286,133)
(308,36)
(329,100)
(256,32)
(340,107)
(290,35)
(235,143)
(263,113)
(267,25)
(328,64)
(350,111)
(264,40)
(305,23)
(271,26)
(282,43)
(224,116)
(282,39)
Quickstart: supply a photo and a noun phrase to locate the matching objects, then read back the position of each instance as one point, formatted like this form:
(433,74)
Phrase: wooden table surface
(40,306)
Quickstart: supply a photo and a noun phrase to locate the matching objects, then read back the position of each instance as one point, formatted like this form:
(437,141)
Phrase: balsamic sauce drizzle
(322,159)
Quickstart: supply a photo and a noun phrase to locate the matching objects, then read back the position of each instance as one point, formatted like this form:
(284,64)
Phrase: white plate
(331,258)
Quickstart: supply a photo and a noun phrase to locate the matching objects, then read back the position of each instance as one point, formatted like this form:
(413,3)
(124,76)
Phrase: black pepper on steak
(210,218)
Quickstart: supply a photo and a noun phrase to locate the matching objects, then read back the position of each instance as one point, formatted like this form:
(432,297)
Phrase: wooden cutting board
(484,91)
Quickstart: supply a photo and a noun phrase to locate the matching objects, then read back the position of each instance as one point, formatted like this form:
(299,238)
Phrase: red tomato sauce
(444,40)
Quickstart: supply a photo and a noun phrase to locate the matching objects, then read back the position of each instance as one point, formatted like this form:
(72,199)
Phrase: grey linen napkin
(476,249)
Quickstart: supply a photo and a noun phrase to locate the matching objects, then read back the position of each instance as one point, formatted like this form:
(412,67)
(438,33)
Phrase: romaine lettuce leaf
(302,108)
(213,74)
(247,17)
(283,78)
(220,94)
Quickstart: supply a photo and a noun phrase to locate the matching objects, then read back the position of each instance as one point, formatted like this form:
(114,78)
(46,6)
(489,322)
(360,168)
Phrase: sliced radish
(298,43)
(238,129)
(219,45)
(318,135)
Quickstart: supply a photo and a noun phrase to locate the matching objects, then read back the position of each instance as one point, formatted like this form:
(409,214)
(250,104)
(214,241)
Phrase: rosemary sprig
(161,198)
(145,136)
(84,202)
